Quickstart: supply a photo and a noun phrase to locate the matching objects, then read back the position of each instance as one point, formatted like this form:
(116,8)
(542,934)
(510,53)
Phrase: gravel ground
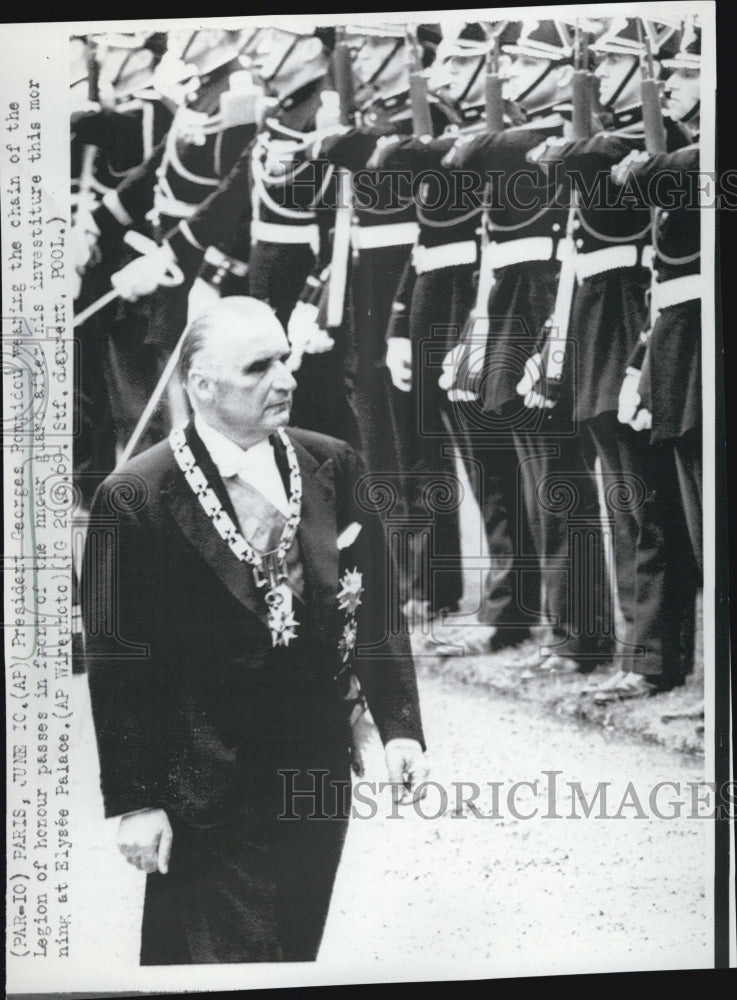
(455,895)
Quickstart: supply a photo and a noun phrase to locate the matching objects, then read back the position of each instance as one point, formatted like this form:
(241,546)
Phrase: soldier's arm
(129,203)
(218,220)
(351,150)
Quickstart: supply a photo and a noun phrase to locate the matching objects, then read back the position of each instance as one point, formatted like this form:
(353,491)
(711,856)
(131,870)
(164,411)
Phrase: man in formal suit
(237,600)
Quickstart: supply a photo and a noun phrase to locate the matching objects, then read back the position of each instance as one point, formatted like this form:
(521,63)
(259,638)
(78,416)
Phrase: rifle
(493,93)
(581,126)
(421,117)
(343,75)
(652,120)
(652,112)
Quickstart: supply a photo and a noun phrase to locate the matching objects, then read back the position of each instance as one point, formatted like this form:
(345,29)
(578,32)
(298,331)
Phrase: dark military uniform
(535,457)
(672,371)
(609,311)
(383,232)
(123,139)
(269,197)
(433,300)
(670,387)
(156,198)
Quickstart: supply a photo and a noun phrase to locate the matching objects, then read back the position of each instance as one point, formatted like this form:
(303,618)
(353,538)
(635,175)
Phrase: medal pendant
(282,623)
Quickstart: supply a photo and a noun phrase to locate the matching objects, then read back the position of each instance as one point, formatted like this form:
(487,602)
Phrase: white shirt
(255,465)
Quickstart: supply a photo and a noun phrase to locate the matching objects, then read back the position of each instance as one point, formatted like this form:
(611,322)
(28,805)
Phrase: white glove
(532,374)
(621,171)
(202,295)
(305,336)
(629,397)
(145,274)
(643,420)
(529,385)
(399,362)
(458,365)
(85,234)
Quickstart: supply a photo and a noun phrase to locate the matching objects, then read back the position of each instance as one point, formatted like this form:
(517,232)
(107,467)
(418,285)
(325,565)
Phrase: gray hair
(240,309)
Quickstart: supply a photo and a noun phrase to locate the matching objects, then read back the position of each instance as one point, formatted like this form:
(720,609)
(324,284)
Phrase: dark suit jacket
(191,702)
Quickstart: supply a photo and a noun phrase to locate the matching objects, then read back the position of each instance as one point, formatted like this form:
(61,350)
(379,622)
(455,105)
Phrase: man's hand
(407,769)
(622,170)
(461,369)
(305,336)
(531,385)
(381,150)
(630,412)
(145,839)
(546,150)
(145,274)
(399,362)
(85,234)
(643,420)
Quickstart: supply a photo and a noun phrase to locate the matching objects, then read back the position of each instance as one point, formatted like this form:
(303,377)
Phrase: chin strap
(611,105)
(371,82)
(692,113)
(536,83)
(287,53)
(472,79)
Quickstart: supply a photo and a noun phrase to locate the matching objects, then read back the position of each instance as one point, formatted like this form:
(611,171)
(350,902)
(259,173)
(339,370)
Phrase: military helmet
(689,52)
(548,39)
(630,36)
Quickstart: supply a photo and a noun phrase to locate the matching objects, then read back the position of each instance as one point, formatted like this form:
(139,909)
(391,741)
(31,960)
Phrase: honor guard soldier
(117,114)
(383,228)
(661,393)
(528,457)
(116,121)
(154,200)
(608,312)
(432,304)
(261,218)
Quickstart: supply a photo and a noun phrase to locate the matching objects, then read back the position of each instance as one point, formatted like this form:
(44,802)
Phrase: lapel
(189,516)
(316,534)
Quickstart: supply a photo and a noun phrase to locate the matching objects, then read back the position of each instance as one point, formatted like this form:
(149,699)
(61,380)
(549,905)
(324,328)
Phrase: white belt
(496,255)
(274,232)
(447,255)
(394,234)
(608,259)
(675,291)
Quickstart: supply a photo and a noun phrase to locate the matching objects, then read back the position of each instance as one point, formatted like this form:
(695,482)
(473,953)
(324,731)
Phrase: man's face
(371,53)
(452,76)
(248,392)
(522,73)
(266,53)
(611,72)
(683,91)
